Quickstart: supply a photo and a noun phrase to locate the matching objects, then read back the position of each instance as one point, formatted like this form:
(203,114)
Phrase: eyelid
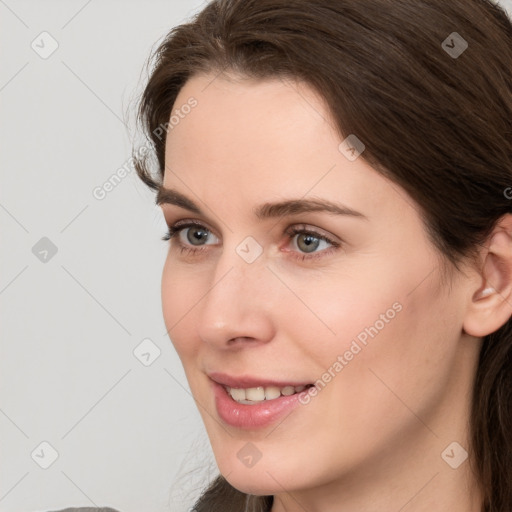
(302,225)
(318,232)
(181,225)
(299,227)
(187,222)
(290,232)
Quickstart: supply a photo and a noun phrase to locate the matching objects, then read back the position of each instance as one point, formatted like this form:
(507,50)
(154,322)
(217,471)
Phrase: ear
(490,306)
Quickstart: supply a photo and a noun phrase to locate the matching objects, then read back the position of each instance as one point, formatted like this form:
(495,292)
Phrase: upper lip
(247,381)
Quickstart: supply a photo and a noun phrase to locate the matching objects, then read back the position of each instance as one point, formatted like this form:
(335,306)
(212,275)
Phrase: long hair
(427,85)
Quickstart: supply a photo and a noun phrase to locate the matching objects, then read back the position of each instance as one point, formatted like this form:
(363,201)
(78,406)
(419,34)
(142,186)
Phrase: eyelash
(291,232)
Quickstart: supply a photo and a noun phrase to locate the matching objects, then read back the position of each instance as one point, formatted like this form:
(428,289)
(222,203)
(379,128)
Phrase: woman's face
(363,312)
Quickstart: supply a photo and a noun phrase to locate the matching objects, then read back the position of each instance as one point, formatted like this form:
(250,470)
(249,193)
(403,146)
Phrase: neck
(420,484)
(418,472)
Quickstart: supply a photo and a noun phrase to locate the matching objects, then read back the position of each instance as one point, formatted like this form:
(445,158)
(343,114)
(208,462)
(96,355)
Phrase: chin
(263,479)
(259,486)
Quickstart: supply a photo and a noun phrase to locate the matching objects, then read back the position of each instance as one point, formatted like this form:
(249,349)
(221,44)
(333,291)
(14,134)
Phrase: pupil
(194,239)
(309,241)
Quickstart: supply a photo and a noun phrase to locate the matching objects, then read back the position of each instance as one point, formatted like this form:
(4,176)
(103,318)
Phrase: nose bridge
(236,303)
(241,267)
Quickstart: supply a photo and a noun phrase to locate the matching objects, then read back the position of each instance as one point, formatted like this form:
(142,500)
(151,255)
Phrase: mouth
(256,407)
(259,394)
(250,390)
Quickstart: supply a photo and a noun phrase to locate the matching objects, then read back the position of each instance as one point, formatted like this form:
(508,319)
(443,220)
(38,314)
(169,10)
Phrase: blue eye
(307,238)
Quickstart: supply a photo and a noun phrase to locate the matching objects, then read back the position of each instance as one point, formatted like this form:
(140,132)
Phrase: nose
(238,307)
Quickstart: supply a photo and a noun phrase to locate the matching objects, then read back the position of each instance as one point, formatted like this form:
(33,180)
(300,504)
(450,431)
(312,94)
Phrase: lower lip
(252,416)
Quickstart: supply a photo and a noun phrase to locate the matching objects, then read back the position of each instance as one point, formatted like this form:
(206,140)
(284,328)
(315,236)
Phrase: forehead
(248,142)
(259,127)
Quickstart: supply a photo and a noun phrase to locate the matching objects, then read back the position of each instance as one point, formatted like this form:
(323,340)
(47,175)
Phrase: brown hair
(436,123)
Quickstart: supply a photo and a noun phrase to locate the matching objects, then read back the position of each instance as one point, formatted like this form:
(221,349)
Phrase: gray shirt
(86,509)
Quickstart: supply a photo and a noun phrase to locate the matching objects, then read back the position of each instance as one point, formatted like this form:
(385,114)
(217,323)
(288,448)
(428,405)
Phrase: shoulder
(85,509)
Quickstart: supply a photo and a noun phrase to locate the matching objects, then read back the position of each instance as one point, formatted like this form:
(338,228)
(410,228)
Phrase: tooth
(237,393)
(272,392)
(255,394)
(288,390)
(259,394)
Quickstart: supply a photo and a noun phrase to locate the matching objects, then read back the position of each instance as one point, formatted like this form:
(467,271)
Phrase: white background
(126,434)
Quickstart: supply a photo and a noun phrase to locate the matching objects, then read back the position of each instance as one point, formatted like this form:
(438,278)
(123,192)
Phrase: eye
(193,236)
(307,240)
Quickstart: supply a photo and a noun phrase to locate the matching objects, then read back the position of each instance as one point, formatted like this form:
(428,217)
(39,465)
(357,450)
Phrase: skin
(372,438)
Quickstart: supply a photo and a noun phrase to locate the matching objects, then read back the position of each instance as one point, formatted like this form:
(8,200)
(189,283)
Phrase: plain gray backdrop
(71,319)
(94,407)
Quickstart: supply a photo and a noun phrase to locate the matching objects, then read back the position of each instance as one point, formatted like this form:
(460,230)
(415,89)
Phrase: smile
(256,395)
(250,409)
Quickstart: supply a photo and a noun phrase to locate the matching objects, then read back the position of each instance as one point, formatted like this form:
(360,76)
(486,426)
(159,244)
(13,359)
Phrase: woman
(337,180)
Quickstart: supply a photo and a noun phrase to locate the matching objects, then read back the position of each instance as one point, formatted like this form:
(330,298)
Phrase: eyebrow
(266,210)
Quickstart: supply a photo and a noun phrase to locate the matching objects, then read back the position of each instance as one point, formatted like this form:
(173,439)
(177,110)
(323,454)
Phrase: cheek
(178,301)
(379,320)
(398,350)
(342,312)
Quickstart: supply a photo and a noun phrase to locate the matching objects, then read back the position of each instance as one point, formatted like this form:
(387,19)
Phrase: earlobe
(491,305)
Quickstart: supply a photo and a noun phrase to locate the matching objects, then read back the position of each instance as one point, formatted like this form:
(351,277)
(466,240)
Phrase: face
(352,300)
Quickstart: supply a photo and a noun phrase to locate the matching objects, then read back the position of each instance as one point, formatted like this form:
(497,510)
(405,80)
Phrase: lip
(250,417)
(248,381)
